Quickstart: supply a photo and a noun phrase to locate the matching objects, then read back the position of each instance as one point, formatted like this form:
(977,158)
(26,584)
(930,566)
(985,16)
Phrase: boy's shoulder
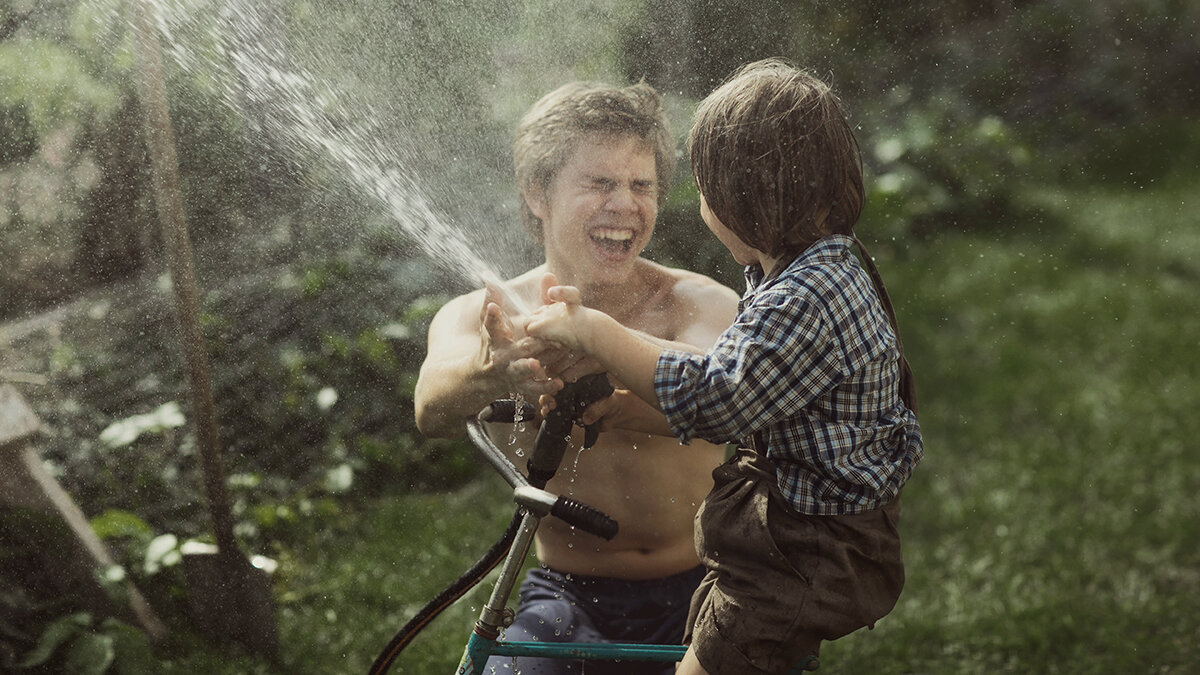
(822,263)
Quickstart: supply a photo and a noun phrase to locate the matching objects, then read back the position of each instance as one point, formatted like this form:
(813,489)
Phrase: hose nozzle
(551,441)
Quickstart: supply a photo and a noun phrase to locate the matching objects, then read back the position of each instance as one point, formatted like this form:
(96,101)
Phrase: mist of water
(252,69)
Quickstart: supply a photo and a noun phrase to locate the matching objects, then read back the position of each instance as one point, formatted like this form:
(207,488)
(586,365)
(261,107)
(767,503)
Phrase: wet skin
(598,215)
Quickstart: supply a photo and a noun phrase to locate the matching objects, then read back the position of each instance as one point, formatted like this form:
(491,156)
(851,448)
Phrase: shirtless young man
(593,164)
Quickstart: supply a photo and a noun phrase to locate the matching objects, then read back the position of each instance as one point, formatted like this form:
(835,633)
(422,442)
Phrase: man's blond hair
(553,127)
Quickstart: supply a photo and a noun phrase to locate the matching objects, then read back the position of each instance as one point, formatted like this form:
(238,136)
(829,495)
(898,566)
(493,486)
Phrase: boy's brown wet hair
(549,131)
(775,158)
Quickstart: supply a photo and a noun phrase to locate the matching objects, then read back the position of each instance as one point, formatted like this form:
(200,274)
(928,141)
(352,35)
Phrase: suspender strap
(908,390)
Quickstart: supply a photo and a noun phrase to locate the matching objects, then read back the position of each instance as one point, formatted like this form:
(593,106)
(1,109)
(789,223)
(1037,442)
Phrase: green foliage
(943,167)
(53,84)
(21,140)
(39,630)
(1053,399)
(49,98)
(313,368)
(1054,395)
(1160,151)
(124,432)
(78,644)
(682,240)
(417,544)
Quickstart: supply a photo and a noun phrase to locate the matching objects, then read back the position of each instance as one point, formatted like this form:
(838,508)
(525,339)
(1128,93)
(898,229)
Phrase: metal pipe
(479,436)
(491,617)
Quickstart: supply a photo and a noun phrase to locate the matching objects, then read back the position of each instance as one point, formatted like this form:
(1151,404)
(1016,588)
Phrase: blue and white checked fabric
(811,361)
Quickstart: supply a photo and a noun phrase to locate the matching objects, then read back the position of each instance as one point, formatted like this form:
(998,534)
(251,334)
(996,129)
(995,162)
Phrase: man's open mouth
(613,240)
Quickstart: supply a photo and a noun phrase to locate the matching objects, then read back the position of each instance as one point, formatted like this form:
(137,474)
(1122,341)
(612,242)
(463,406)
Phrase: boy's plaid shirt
(811,363)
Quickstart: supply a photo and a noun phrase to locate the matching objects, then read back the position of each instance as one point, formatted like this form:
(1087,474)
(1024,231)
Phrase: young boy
(799,531)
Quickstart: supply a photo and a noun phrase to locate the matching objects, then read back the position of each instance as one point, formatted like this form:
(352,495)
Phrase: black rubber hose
(447,597)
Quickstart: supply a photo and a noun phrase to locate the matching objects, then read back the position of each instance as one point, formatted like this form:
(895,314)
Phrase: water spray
(309,118)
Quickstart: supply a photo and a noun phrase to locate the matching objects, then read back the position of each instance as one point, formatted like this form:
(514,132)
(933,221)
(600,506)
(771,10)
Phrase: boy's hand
(567,365)
(556,323)
(557,319)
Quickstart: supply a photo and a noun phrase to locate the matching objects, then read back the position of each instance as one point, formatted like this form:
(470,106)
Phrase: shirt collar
(825,250)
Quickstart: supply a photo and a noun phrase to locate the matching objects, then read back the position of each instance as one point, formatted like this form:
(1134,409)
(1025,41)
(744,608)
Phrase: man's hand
(517,359)
(621,410)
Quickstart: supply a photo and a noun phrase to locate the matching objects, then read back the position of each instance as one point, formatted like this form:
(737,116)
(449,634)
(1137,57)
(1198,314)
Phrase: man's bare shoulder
(461,312)
(689,307)
(701,290)
(694,291)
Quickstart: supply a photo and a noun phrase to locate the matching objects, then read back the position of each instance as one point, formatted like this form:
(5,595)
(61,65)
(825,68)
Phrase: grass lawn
(1052,528)
(1053,525)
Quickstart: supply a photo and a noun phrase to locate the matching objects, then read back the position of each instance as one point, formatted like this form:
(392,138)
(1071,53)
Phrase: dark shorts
(780,582)
(558,607)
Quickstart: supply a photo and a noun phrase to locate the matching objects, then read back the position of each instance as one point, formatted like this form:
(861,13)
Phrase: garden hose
(447,597)
(547,454)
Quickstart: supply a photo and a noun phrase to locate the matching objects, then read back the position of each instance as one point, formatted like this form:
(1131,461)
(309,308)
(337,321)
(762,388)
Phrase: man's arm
(473,357)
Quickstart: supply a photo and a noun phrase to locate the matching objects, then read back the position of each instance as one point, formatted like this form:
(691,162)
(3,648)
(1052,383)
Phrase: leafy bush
(41,630)
(941,167)
(313,368)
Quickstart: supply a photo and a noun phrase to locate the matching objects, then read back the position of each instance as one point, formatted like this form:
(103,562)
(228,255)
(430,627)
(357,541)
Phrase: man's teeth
(612,235)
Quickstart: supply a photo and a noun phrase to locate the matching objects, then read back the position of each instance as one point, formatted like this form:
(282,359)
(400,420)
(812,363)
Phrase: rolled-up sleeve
(673,371)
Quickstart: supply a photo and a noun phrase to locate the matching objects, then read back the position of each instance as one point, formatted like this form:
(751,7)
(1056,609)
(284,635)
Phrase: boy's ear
(535,198)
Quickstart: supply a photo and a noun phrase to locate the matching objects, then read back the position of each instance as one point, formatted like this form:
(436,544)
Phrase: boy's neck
(768,263)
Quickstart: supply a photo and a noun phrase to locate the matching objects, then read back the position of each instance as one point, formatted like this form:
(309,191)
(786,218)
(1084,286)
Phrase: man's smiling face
(599,211)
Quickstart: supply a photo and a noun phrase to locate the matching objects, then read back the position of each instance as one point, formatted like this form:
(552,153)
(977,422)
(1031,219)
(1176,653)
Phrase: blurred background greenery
(1032,165)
